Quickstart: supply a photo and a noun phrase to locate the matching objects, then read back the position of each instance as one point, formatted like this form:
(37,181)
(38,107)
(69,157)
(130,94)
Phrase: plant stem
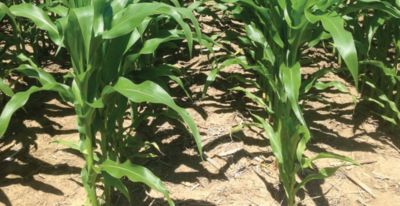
(292,193)
(89,175)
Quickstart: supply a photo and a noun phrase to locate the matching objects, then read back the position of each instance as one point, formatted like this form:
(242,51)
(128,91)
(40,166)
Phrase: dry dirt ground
(238,169)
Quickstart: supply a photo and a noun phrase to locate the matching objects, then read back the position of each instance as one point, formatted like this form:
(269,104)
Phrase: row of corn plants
(112,46)
(379,45)
(273,35)
(106,45)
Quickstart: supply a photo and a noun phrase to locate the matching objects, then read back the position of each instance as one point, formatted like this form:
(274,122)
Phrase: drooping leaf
(18,100)
(333,84)
(39,17)
(15,103)
(344,42)
(325,155)
(321,174)
(5,89)
(153,93)
(124,23)
(135,173)
(117,183)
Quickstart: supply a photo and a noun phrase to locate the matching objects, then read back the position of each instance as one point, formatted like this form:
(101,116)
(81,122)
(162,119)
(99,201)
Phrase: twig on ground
(360,184)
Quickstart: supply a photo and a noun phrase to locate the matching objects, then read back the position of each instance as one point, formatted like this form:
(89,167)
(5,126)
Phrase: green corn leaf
(344,42)
(385,103)
(304,133)
(307,163)
(33,71)
(377,5)
(5,89)
(151,45)
(390,72)
(78,37)
(187,13)
(3,11)
(333,84)
(153,93)
(59,10)
(255,34)
(392,105)
(19,99)
(117,183)
(124,23)
(135,36)
(69,144)
(291,80)
(274,139)
(118,5)
(377,102)
(164,71)
(99,7)
(15,103)
(215,71)
(39,17)
(135,173)
(210,79)
(310,82)
(321,174)
(259,101)
(176,3)
(389,119)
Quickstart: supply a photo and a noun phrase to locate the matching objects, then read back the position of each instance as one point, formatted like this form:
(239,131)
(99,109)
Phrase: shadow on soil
(348,115)
(336,114)
(386,132)
(165,167)
(18,166)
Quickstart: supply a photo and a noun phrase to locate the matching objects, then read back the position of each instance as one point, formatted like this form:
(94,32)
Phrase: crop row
(113,48)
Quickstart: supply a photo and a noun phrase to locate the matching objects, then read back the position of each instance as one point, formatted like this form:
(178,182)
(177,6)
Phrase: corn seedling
(273,36)
(105,43)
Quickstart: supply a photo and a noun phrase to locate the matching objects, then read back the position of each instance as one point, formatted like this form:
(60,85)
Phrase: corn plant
(27,37)
(106,40)
(273,34)
(16,34)
(376,24)
(8,40)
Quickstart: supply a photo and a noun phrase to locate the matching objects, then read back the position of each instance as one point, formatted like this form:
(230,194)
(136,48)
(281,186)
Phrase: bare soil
(238,169)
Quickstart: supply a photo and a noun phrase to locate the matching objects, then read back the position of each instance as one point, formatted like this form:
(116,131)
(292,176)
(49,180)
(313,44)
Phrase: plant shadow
(18,165)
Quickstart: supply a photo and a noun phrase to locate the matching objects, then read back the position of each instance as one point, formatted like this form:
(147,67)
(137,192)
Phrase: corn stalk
(105,43)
